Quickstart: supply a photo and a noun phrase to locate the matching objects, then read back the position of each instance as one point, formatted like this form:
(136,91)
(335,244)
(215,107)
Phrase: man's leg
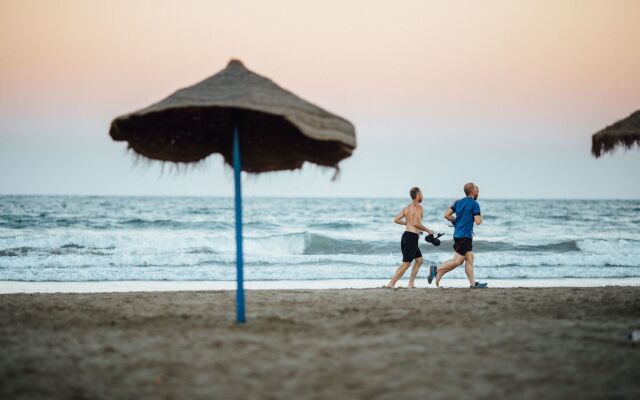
(414,272)
(399,272)
(468,267)
(448,266)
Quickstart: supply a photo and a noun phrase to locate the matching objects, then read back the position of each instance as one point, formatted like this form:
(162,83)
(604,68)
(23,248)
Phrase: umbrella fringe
(625,133)
(602,144)
(336,174)
(173,168)
(182,168)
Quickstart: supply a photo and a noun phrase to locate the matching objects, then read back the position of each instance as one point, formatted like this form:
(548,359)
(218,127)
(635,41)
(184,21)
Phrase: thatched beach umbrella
(625,132)
(255,125)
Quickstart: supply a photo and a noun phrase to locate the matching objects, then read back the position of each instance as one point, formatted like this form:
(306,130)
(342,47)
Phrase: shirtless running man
(411,216)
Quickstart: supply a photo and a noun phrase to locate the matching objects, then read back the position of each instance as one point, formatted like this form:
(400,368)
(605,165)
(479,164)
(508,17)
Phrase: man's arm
(422,227)
(448,215)
(400,218)
(477,217)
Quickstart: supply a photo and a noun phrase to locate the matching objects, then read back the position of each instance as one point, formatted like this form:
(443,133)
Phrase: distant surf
(75,238)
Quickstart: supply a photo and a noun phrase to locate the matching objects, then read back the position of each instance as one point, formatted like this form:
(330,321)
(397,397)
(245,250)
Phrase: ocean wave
(142,223)
(17,251)
(86,238)
(621,246)
(333,225)
(108,223)
(322,244)
(71,246)
(39,221)
(300,243)
(313,264)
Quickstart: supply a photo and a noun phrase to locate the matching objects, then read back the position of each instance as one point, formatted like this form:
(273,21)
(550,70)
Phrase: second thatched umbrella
(255,124)
(625,132)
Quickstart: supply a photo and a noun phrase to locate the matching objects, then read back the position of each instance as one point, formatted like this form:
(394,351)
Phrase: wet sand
(305,344)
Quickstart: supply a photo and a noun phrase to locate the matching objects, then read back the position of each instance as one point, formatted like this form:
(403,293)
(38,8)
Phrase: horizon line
(310,197)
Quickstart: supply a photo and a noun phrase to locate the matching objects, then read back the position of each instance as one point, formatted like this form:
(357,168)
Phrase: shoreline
(14,287)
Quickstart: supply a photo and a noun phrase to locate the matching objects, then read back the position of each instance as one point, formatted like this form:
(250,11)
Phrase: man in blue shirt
(467,213)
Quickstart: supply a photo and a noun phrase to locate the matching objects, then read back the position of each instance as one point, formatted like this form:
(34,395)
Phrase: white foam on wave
(170,255)
(303,271)
(335,238)
(619,247)
(120,240)
(541,259)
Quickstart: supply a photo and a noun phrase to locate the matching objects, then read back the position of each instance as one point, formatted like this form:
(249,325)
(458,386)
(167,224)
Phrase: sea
(111,239)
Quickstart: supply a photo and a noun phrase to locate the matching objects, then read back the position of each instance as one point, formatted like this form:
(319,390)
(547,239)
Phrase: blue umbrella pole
(237,168)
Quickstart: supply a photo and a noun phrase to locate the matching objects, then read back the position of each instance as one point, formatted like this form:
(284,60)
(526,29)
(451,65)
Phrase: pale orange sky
(444,54)
(482,68)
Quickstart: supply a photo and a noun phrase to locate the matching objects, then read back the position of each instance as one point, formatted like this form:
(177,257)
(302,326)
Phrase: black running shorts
(462,245)
(409,246)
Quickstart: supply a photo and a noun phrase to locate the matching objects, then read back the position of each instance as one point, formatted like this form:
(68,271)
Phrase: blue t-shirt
(465,209)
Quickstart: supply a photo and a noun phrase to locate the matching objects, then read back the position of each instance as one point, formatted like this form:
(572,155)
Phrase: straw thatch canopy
(278,130)
(625,132)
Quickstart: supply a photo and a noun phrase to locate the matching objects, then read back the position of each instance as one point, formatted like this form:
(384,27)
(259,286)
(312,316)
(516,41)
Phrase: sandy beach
(348,343)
